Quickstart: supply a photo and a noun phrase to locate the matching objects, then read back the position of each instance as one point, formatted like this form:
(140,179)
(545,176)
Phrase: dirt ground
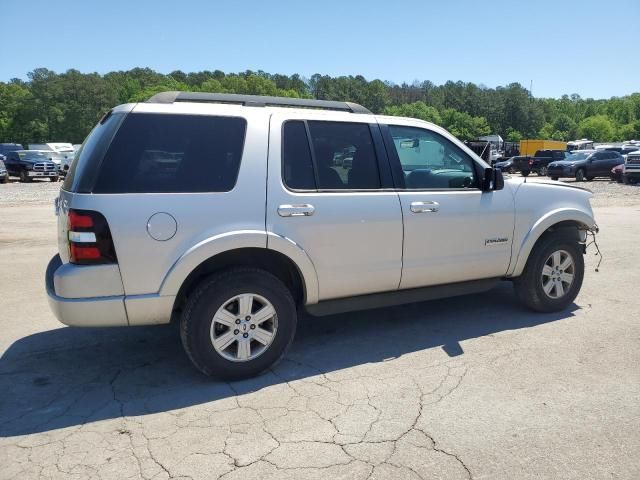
(473,387)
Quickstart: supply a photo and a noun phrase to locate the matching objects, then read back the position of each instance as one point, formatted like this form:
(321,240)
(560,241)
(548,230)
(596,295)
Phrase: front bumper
(560,172)
(31,173)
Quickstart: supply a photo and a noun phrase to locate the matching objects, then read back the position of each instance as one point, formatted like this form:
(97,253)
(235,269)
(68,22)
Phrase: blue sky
(585,47)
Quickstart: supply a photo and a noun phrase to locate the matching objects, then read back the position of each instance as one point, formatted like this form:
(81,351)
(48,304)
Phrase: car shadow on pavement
(69,376)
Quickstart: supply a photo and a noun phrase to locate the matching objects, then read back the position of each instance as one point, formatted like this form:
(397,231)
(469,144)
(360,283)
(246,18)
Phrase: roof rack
(256,101)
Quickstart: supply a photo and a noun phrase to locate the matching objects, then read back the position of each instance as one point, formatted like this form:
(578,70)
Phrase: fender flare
(542,225)
(217,244)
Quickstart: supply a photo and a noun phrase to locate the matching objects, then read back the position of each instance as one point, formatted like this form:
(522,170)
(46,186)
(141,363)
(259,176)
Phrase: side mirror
(493,180)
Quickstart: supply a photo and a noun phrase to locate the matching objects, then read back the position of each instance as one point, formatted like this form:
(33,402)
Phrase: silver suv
(228,213)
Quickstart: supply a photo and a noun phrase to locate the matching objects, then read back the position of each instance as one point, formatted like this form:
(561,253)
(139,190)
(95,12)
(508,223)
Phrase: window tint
(344,155)
(296,157)
(429,160)
(173,153)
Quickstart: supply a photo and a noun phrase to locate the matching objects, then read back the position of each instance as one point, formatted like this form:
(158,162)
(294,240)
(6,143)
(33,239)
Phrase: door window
(430,161)
(329,156)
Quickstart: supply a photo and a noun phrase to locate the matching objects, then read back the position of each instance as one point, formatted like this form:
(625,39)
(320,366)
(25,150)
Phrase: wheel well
(568,226)
(273,262)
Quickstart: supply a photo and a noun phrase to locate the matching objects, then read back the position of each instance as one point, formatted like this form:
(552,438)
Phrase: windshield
(577,156)
(31,156)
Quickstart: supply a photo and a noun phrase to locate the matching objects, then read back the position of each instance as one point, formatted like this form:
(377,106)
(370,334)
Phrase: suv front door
(330,192)
(453,231)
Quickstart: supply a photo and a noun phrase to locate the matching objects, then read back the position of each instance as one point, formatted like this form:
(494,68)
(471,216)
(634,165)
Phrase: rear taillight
(530,162)
(90,241)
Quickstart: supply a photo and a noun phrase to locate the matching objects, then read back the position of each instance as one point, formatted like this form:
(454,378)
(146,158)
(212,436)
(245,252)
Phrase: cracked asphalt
(471,387)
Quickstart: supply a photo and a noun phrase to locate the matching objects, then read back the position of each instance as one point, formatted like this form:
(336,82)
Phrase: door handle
(424,207)
(301,210)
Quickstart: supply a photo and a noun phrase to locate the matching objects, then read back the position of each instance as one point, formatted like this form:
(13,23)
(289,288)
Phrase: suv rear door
(330,192)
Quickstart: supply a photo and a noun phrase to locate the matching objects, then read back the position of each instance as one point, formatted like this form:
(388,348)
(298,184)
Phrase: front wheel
(238,323)
(24,178)
(553,274)
(580,175)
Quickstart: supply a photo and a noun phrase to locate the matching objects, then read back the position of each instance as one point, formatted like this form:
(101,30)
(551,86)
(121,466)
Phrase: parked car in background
(617,173)
(5,148)
(4,174)
(62,154)
(507,166)
(30,164)
(632,168)
(585,165)
(540,161)
(627,149)
(583,144)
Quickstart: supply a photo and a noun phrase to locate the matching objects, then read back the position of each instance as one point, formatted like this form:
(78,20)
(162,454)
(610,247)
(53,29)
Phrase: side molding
(540,226)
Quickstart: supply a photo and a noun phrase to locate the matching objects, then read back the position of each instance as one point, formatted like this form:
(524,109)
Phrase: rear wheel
(238,323)
(554,178)
(542,172)
(553,274)
(4,179)
(580,175)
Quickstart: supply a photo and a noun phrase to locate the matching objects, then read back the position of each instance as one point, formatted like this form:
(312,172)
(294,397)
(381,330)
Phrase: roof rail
(256,101)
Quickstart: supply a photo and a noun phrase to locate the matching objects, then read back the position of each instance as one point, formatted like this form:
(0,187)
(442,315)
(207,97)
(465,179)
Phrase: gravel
(36,192)
(606,193)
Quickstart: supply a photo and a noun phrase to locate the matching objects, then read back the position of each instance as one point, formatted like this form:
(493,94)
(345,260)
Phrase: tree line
(52,106)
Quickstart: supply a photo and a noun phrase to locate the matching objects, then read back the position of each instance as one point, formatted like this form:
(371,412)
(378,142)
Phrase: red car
(617,173)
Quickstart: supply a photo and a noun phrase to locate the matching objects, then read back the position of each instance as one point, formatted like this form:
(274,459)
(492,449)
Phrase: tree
(415,110)
(463,125)
(64,107)
(598,128)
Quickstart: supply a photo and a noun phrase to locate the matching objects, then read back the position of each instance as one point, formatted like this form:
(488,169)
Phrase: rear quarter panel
(145,262)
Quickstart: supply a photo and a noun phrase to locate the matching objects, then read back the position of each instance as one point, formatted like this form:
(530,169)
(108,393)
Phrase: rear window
(84,167)
(159,153)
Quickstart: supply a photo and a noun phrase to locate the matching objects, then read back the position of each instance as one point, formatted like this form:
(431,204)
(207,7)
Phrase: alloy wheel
(243,327)
(558,274)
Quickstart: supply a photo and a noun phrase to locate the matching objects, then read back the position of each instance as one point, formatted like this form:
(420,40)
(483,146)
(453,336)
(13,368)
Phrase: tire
(24,178)
(580,176)
(554,178)
(525,173)
(198,328)
(530,286)
(542,172)
(54,179)
(4,179)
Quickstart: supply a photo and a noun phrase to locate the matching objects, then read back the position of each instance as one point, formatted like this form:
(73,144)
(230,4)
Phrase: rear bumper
(99,311)
(83,312)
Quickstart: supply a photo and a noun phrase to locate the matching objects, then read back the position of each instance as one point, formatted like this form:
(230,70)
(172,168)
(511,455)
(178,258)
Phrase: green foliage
(463,125)
(598,128)
(64,107)
(415,110)
(513,135)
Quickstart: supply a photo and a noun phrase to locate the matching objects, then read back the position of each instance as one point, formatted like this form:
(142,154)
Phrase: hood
(565,163)
(517,182)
